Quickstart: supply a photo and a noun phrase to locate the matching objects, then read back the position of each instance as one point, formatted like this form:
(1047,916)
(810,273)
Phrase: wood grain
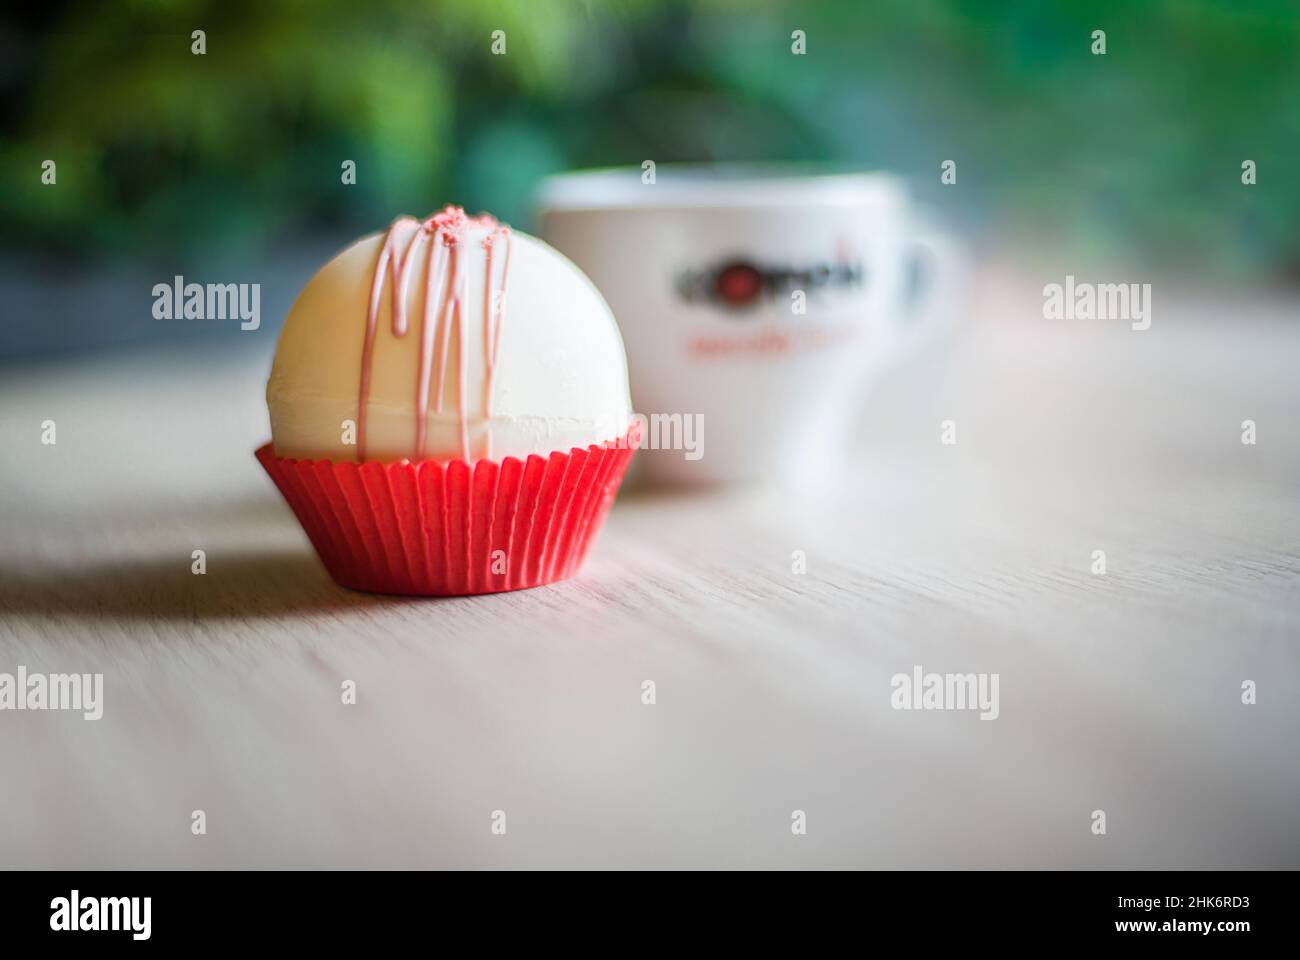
(1118,692)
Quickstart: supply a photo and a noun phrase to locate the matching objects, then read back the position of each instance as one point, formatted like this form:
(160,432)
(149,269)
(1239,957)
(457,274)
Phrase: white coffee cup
(757,301)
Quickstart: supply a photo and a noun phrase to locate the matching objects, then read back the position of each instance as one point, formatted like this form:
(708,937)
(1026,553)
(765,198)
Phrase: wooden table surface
(1119,692)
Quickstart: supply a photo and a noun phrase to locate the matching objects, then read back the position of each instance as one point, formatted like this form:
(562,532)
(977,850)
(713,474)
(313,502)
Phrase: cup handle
(935,264)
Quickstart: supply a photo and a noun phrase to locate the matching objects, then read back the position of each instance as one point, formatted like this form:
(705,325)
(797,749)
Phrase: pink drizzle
(493,313)
(446,287)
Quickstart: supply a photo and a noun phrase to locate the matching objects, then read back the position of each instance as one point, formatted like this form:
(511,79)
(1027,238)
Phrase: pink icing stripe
(500,305)
(434,281)
(403,282)
(444,324)
(462,363)
(493,310)
(445,299)
(372,322)
(487,332)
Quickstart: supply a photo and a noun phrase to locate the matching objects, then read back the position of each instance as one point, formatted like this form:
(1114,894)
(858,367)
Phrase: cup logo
(742,284)
(738,284)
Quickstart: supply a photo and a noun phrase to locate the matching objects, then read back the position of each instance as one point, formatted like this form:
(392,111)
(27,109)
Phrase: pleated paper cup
(449,528)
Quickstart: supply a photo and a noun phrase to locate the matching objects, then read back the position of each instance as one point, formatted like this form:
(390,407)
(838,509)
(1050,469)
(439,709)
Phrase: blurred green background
(167,159)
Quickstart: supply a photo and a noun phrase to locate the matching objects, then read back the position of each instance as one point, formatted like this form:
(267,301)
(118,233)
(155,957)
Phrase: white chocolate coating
(560,380)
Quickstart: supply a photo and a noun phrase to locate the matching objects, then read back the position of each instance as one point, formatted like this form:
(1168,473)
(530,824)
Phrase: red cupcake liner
(452,528)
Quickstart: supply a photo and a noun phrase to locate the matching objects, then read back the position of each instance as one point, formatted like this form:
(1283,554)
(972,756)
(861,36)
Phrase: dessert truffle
(449,409)
(407,334)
